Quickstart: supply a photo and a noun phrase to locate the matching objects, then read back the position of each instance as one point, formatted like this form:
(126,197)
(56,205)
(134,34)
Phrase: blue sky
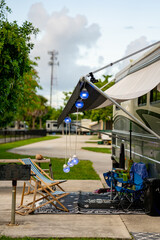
(88,34)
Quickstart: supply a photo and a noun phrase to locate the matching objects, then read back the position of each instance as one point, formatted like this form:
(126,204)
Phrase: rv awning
(135,85)
(132,86)
(95,99)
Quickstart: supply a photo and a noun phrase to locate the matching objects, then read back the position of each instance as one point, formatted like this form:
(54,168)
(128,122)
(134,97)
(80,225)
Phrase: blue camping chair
(131,192)
(127,192)
(110,178)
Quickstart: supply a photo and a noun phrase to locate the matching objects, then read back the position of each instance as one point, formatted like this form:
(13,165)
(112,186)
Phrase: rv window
(154,95)
(48,125)
(142,100)
(54,124)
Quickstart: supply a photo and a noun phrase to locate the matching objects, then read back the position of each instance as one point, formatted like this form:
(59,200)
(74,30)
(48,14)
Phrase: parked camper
(16,125)
(52,127)
(139,144)
(136,127)
(87,126)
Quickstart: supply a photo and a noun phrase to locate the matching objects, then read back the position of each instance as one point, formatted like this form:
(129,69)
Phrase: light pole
(52,62)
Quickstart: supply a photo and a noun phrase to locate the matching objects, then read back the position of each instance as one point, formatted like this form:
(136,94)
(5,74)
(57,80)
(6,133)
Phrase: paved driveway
(65,146)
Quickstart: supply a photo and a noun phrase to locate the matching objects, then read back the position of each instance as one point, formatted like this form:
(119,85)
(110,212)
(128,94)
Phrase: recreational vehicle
(53,128)
(139,144)
(136,128)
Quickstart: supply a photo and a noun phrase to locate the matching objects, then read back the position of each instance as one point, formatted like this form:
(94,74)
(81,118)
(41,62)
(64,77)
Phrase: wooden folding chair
(41,186)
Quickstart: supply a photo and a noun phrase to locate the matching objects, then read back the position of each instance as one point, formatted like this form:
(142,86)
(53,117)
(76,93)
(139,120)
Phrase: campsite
(79,120)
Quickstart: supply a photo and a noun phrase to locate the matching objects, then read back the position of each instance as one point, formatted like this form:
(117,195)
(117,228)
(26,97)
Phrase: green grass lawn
(28,238)
(96,149)
(4,147)
(82,171)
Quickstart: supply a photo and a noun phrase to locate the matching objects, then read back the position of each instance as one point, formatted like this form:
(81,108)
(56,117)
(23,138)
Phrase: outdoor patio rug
(88,203)
(145,236)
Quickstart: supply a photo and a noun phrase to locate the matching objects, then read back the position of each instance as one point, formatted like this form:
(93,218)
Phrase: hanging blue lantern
(67,120)
(75,160)
(79,104)
(70,162)
(84,93)
(66,168)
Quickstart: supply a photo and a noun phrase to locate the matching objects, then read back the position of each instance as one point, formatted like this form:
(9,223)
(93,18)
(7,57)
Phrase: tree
(56,113)
(28,98)
(47,116)
(67,96)
(35,111)
(42,109)
(15,46)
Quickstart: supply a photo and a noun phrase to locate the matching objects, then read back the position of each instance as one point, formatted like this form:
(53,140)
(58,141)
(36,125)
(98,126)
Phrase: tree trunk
(18,124)
(40,123)
(33,122)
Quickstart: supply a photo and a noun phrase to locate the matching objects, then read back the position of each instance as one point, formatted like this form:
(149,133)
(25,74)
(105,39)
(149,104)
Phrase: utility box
(15,172)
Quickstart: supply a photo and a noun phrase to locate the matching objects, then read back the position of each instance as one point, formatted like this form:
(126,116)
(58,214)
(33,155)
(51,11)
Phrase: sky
(87,35)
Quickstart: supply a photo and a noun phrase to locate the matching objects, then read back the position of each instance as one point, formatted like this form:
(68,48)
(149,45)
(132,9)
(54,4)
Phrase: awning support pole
(119,60)
(91,130)
(123,109)
(130,139)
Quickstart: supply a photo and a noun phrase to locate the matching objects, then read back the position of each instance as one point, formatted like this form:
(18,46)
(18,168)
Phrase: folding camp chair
(130,193)
(110,177)
(41,186)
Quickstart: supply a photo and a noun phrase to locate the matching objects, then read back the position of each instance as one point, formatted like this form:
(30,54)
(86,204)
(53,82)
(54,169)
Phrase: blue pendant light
(70,162)
(75,160)
(84,93)
(79,104)
(66,168)
(67,120)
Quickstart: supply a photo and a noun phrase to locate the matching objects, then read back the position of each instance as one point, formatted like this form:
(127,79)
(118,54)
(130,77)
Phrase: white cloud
(129,27)
(65,34)
(38,15)
(132,47)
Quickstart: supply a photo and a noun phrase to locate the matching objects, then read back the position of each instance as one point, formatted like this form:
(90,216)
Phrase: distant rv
(17,125)
(86,126)
(52,127)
